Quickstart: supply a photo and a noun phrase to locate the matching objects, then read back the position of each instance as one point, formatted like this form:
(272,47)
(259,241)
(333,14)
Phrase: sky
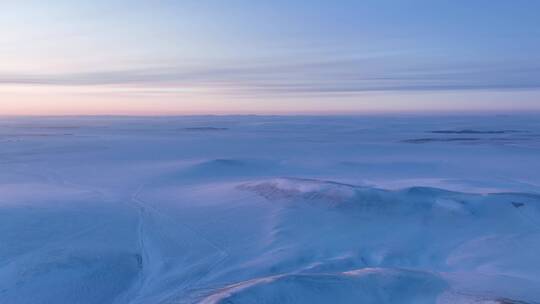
(167,57)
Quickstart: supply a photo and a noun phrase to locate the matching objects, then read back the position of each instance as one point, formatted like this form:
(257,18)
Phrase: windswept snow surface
(253,209)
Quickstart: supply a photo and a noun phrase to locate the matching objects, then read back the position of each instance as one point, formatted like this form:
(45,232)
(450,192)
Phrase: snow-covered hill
(270,210)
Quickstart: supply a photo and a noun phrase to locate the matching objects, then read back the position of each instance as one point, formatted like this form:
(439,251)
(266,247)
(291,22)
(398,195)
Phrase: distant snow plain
(270,209)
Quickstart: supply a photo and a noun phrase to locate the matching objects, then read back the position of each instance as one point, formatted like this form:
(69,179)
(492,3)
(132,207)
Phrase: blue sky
(190,57)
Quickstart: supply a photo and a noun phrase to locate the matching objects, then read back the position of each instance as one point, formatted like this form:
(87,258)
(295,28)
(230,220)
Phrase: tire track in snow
(151,259)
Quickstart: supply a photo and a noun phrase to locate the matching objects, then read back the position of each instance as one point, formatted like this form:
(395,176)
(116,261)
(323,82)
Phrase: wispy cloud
(345,76)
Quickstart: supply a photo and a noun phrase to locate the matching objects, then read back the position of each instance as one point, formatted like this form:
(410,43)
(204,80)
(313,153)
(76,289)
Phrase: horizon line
(284,114)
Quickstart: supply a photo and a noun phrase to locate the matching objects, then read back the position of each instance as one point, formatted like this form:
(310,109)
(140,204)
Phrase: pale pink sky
(57,100)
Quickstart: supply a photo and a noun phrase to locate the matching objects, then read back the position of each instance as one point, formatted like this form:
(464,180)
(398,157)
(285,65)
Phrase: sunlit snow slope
(257,209)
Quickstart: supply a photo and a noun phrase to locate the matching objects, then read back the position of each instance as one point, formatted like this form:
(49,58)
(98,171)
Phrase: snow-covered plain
(252,209)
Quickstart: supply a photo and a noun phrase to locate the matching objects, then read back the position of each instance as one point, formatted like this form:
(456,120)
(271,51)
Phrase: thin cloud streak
(346,76)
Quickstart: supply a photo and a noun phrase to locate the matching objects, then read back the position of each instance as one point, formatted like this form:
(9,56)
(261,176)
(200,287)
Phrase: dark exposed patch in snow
(518,205)
(510,301)
(469,131)
(205,129)
(443,139)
